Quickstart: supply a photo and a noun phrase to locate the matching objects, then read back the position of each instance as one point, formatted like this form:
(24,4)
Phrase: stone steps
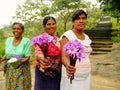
(98,53)
(101,47)
(101,36)
(102,42)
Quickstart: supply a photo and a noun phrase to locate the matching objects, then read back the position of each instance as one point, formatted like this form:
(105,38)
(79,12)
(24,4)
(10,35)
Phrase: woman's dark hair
(21,25)
(77,13)
(46,19)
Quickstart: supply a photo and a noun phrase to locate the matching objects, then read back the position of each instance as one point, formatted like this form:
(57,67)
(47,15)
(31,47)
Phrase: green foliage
(116,30)
(32,58)
(29,11)
(45,11)
(93,19)
(60,26)
(33,29)
(65,8)
(66,4)
(33,11)
(114,33)
(1,35)
(111,7)
(2,41)
(115,39)
(2,51)
(111,4)
(115,25)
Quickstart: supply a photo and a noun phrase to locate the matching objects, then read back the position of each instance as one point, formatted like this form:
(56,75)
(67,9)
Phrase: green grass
(115,34)
(115,25)
(2,48)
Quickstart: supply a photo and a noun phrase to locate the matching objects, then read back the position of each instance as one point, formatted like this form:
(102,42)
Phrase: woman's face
(17,31)
(80,23)
(50,27)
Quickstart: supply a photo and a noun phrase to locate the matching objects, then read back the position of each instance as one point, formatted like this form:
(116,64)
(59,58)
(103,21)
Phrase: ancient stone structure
(101,36)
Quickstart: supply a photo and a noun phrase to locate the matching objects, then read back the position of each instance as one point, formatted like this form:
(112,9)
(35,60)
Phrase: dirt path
(106,77)
(2,81)
(101,82)
(97,82)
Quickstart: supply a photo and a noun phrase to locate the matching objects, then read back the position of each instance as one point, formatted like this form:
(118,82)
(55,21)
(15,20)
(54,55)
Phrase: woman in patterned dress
(82,69)
(48,81)
(19,77)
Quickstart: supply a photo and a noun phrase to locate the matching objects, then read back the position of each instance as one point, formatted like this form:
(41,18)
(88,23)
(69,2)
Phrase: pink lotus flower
(14,61)
(47,44)
(75,51)
(18,57)
(43,42)
(43,39)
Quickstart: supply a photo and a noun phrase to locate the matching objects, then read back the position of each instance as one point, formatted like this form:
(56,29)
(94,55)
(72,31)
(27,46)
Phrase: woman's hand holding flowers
(47,58)
(76,52)
(0,61)
(23,61)
(70,70)
(44,64)
(18,66)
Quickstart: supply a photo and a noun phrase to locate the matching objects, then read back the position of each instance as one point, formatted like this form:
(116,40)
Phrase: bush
(115,39)
(2,52)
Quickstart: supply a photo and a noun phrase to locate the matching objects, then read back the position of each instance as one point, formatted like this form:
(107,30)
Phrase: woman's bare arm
(3,59)
(65,58)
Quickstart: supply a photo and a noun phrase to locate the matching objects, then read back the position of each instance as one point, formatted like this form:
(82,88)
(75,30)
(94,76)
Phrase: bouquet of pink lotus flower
(43,42)
(47,44)
(75,51)
(15,60)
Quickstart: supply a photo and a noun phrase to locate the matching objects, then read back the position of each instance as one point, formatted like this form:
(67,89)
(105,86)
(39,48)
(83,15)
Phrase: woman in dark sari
(48,80)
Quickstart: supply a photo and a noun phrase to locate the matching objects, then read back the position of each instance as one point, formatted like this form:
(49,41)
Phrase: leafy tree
(64,9)
(111,4)
(31,13)
(111,7)
(94,15)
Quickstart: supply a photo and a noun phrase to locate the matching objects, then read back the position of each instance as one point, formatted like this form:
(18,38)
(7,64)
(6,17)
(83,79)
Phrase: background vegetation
(32,12)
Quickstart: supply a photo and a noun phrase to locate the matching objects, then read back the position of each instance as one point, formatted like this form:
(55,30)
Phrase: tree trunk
(117,19)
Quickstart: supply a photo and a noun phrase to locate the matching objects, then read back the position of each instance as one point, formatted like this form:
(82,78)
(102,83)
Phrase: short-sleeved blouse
(20,78)
(39,51)
(23,49)
(84,65)
(55,61)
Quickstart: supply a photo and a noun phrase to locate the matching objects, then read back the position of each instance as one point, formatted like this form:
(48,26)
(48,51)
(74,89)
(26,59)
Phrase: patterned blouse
(56,63)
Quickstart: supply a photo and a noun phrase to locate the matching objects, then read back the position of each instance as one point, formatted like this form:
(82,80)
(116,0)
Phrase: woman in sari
(18,77)
(48,80)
